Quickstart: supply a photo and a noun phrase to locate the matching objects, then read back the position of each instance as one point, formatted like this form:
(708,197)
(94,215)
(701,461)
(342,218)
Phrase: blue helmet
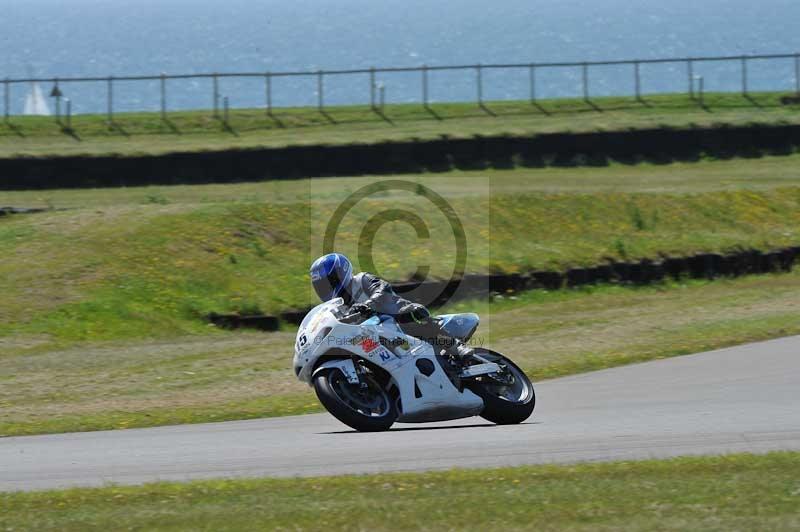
(330,274)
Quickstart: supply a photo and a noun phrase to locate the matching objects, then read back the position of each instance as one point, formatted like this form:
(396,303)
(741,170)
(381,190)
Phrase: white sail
(35,102)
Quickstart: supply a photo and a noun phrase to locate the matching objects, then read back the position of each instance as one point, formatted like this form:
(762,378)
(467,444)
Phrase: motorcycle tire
(497,408)
(336,396)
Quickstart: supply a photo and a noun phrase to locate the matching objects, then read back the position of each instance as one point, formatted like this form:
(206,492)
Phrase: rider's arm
(380,295)
(382,299)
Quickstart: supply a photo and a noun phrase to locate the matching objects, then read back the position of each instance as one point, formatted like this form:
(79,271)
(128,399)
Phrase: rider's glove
(361,308)
(414,312)
(420,314)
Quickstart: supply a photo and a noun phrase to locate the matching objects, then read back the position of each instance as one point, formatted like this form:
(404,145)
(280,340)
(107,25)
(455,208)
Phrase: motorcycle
(369,374)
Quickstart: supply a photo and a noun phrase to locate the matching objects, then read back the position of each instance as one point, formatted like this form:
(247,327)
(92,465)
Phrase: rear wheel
(507,395)
(366,406)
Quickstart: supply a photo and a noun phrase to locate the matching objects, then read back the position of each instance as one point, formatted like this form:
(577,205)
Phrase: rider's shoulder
(362,279)
(368,279)
(366,276)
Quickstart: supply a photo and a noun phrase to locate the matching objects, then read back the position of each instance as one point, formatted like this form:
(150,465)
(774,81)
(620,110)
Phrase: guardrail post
(57,96)
(532,80)
(638,80)
(6,99)
(744,75)
(425,86)
(320,91)
(215,97)
(163,96)
(690,73)
(700,89)
(268,92)
(110,99)
(797,73)
(69,113)
(479,83)
(372,87)
(585,75)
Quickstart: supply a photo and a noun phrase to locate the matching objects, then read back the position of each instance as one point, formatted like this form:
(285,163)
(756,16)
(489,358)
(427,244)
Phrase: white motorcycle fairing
(424,390)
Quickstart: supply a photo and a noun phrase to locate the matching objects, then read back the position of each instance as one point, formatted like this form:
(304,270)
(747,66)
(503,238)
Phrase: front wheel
(508,395)
(366,406)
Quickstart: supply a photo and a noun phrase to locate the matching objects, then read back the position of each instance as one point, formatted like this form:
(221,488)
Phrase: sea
(100,38)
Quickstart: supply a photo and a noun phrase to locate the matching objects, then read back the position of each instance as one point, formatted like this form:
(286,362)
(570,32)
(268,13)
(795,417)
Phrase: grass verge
(152,263)
(101,320)
(224,376)
(735,492)
(708,175)
(140,133)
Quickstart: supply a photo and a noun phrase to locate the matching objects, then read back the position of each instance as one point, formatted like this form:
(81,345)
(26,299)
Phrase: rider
(332,276)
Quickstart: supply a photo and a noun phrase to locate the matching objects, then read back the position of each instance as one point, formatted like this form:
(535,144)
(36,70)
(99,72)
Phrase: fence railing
(694,83)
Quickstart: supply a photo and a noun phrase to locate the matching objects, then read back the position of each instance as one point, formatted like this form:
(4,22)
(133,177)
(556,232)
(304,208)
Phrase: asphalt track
(742,399)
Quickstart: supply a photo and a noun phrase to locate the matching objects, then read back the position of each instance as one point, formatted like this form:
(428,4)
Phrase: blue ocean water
(50,38)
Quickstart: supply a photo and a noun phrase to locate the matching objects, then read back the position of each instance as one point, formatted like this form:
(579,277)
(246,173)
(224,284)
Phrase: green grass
(224,376)
(677,178)
(137,133)
(107,298)
(131,263)
(734,492)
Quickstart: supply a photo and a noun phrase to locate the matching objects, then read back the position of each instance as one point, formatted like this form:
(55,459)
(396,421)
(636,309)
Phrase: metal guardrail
(376,91)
